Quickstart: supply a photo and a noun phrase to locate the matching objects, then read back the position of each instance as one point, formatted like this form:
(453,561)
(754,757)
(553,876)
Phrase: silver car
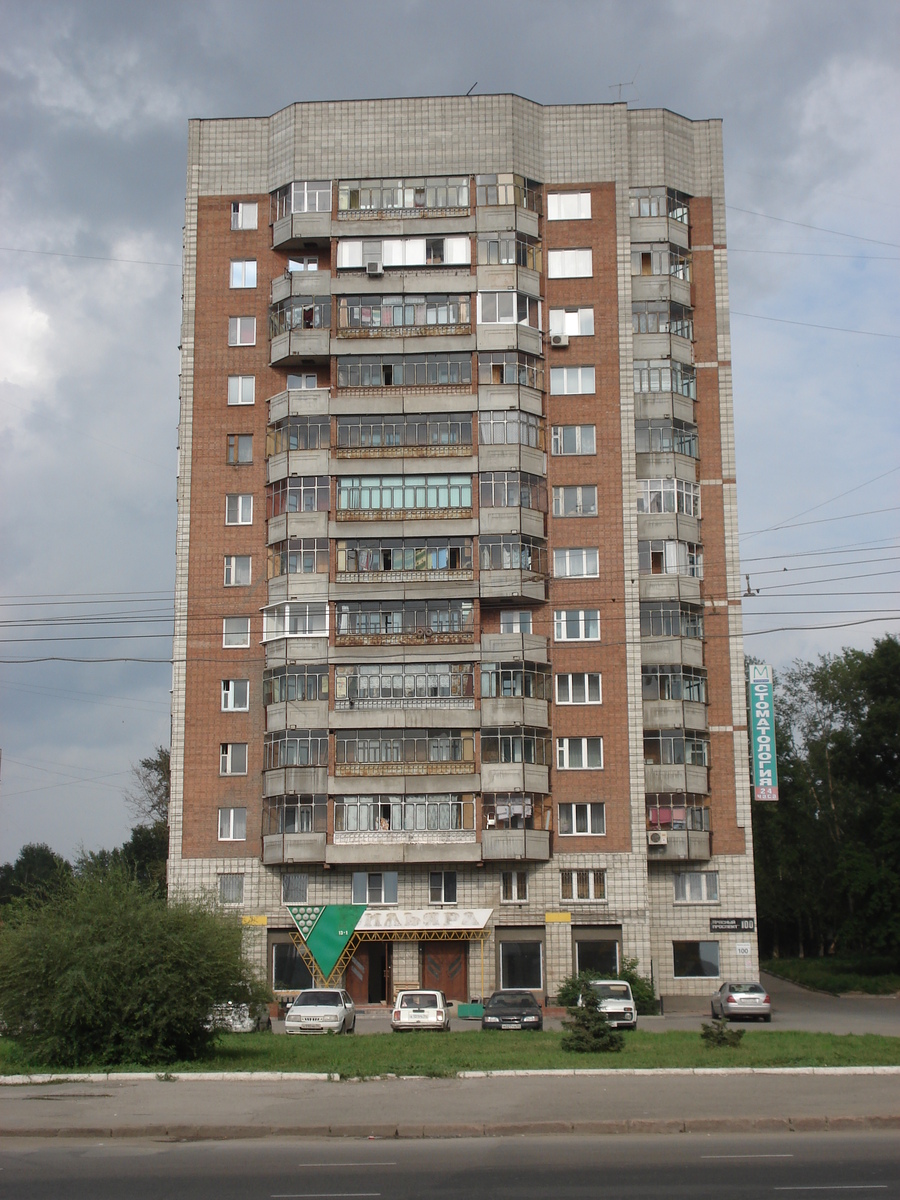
(741,1001)
(421,1010)
(321,1010)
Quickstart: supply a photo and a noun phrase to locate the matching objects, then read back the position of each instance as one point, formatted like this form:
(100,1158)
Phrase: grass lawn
(833,975)
(442,1054)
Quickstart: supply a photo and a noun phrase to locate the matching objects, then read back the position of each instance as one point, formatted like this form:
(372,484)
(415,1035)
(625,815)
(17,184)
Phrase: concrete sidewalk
(609,1103)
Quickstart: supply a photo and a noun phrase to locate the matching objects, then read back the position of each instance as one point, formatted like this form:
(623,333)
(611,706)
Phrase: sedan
(740,1001)
(421,1010)
(512,1010)
(321,1010)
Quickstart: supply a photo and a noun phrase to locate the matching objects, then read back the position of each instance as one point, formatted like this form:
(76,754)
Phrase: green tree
(38,869)
(108,973)
(148,795)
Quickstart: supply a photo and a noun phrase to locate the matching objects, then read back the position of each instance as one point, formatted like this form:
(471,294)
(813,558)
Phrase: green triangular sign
(326,929)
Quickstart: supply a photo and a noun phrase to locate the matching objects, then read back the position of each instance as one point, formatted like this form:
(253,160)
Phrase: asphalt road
(533,1168)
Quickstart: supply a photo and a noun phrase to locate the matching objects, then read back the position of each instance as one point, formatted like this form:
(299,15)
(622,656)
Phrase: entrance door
(445,967)
(368,973)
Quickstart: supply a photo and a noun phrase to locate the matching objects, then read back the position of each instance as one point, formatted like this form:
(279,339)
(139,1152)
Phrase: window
(662,316)
(298,493)
(573,439)
(405,619)
(243,273)
(404,370)
(677,810)
(513,887)
(374,887)
(673,683)
(304,196)
(583,562)
(661,618)
(511,552)
(569,264)
(665,375)
(695,959)
(576,625)
(573,322)
(242,331)
(294,888)
(298,433)
(354,747)
(666,434)
(580,501)
(580,688)
(437,191)
(235,695)
(579,754)
(659,202)
(508,308)
(520,965)
(507,247)
(236,632)
(668,496)
(300,313)
(581,818)
(296,620)
(515,744)
(241,389)
(674,747)
(289,972)
(510,426)
(508,679)
(510,367)
(372,431)
(582,885)
(231,887)
(571,381)
(306,381)
(404,252)
(233,758)
(232,824)
(568,206)
(304,262)
(442,887)
(396,493)
(670,558)
(512,489)
(506,188)
(515,621)
(237,570)
(660,259)
(697,887)
(409,813)
(238,509)
(295,748)
(298,556)
(405,311)
(240,448)
(302,682)
(375,555)
(244,214)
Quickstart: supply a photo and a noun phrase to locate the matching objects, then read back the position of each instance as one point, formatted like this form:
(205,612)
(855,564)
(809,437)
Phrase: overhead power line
(140,262)
(811,325)
(817,228)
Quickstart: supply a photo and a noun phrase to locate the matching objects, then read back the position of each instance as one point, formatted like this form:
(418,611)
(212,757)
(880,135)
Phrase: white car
(321,1010)
(422,1009)
(616,1002)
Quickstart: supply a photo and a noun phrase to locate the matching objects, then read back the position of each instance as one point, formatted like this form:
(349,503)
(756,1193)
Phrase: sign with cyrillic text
(762,732)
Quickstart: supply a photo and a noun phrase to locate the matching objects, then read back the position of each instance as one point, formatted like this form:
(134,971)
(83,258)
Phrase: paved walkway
(610,1102)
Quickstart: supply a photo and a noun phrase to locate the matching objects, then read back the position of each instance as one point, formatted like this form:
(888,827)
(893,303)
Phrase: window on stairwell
(442,887)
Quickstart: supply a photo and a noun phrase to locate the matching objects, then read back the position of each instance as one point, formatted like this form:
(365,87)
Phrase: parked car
(514,1009)
(741,1001)
(321,1010)
(238,1018)
(616,1002)
(421,1010)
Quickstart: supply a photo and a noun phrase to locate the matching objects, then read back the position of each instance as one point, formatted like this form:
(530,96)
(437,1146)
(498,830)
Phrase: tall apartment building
(458,665)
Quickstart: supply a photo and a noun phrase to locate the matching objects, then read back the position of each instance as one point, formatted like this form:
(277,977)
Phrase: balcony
(674,714)
(297,345)
(285,714)
(298,402)
(515,777)
(291,231)
(661,287)
(515,710)
(528,521)
(669,527)
(676,778)
(300,283)
(509,337)
(294,780)
(665,651)
(280,848)
(512,585)
(506,646)
(681,845)
(660,229)
(662,464)
(371,849)
(670,587)
(509,845)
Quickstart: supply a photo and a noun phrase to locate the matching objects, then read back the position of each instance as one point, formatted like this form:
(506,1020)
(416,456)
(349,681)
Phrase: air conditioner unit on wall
(375,267)
(657,838)
(559,339)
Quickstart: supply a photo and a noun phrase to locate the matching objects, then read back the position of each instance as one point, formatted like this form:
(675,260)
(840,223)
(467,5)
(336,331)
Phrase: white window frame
(239,508)
(387,884)
(304,887)
(568,206)
(233,694)
(306,381)
(304,262)
(235,884)
(230,636)
(572,381)
(515,620)
(244,214)
(513,887)
(232,824)
(442,876)
(242,273)
(234,567)
(595,877)
(232,757)
(576,562)
(581,508)
(242,331)
(589,811)
(570,264)
(565,690)
(241,389)
(277,620)
(701,882)
(557,437)
(561,624)
(565,747)
(573,322)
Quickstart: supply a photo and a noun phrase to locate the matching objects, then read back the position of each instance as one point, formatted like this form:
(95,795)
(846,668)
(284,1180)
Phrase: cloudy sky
(95,99)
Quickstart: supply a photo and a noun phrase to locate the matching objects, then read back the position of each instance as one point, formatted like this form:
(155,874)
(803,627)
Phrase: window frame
(705,878)
(229,694)
(239,502)
(596,877)
(233,645)
(239,387)
(232,824)
(576,562)
(242,331)
(570,263)
(242,273)
(244,214)
(443,887)
(583,378)
(683,974)
(589,818)
(561,323)
(561,624)
(586,676)
(581,495)
(237,881)
(304,899)
(230,757)
(514,887)
(582,205)
(233,570)
(564,748)
(236,448)
(388,884)
(557,439)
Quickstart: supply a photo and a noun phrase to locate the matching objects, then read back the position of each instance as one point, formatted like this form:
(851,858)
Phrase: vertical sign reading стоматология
(762,732)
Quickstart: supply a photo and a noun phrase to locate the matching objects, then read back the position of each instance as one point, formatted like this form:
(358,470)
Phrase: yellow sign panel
(257,920)
(562,918)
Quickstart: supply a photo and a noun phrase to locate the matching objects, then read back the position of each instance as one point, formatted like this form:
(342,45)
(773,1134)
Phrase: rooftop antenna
(472,88)
(629,84)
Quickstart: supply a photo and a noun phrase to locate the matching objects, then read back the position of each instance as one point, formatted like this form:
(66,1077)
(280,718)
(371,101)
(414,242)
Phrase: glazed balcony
(679,845)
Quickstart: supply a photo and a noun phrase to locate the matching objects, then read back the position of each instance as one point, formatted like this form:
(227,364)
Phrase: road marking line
(746,1156)
(312,1195)
(349,1164)
(832,1187)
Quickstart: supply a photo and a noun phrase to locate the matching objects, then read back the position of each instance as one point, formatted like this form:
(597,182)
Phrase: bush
(587,1031)
(641,988)
(108,973)
(719,1035)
